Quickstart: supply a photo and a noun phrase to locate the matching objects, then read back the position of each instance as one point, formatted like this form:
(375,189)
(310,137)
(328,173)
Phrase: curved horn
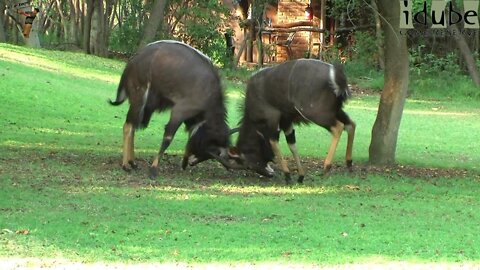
(225,163)
(234,130)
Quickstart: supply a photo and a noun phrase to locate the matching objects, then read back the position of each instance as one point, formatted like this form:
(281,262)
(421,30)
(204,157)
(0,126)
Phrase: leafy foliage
(200,24)
(423,62)
(125,37)
(365,49)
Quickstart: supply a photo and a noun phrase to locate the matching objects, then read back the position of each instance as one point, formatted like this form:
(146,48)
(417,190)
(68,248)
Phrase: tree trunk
(78,22)
(378,38)
(243,45)
(112,16)
(385,130)
(465,51)
(95,29)
(251,35)
(45,17)
(467,54)
(87,26)
(65,21)
(97,33)
(73,24)
(251,31)
(33,41)
(260,22)
(156,19)
(16,25)
(109,7)
(3,36)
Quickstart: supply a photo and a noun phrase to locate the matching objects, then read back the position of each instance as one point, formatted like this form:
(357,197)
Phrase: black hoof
(126,168)
(184,163)
(350,165)
(133,164)
(327,169)
(153,173)
(288,178)
(300,179)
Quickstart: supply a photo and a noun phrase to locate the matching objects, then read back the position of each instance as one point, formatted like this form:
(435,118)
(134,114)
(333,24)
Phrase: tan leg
(186,153)
(155,161)
(177,116)
(131,156)
(301,171)
(154,168)
(336,133)
(351,135)
(280,160)
(292,140)
(160,154)
(127,145)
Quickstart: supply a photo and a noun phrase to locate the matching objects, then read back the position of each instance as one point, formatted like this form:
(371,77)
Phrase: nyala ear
(233,152)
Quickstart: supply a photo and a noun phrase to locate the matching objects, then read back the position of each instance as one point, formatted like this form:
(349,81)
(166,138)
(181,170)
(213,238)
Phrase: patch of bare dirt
(171,165)
(77,169)
(362,170)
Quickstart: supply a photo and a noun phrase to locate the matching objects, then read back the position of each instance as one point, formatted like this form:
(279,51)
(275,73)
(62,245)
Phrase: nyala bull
(300,91)
(172,75)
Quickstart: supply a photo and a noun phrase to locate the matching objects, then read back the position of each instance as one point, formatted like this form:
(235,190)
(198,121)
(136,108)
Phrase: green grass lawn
(63,193)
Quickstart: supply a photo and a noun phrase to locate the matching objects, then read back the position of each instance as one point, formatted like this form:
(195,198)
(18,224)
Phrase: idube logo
(439,17)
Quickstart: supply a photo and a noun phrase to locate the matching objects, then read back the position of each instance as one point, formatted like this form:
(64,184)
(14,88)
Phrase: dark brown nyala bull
(171,74)
(300,91)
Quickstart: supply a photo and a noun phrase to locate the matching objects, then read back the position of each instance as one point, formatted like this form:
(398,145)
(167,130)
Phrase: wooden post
(323,15)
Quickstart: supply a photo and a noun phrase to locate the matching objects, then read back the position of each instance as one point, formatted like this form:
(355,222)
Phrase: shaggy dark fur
(295,92)
(172,75)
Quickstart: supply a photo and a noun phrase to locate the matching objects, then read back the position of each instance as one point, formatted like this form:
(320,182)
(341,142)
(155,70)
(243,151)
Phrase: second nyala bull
(299,91)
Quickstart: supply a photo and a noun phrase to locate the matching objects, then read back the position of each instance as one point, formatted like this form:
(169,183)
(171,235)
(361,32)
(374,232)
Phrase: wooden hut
(290,29)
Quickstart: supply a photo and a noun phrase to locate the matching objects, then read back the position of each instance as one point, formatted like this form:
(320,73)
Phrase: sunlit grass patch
(69,63)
